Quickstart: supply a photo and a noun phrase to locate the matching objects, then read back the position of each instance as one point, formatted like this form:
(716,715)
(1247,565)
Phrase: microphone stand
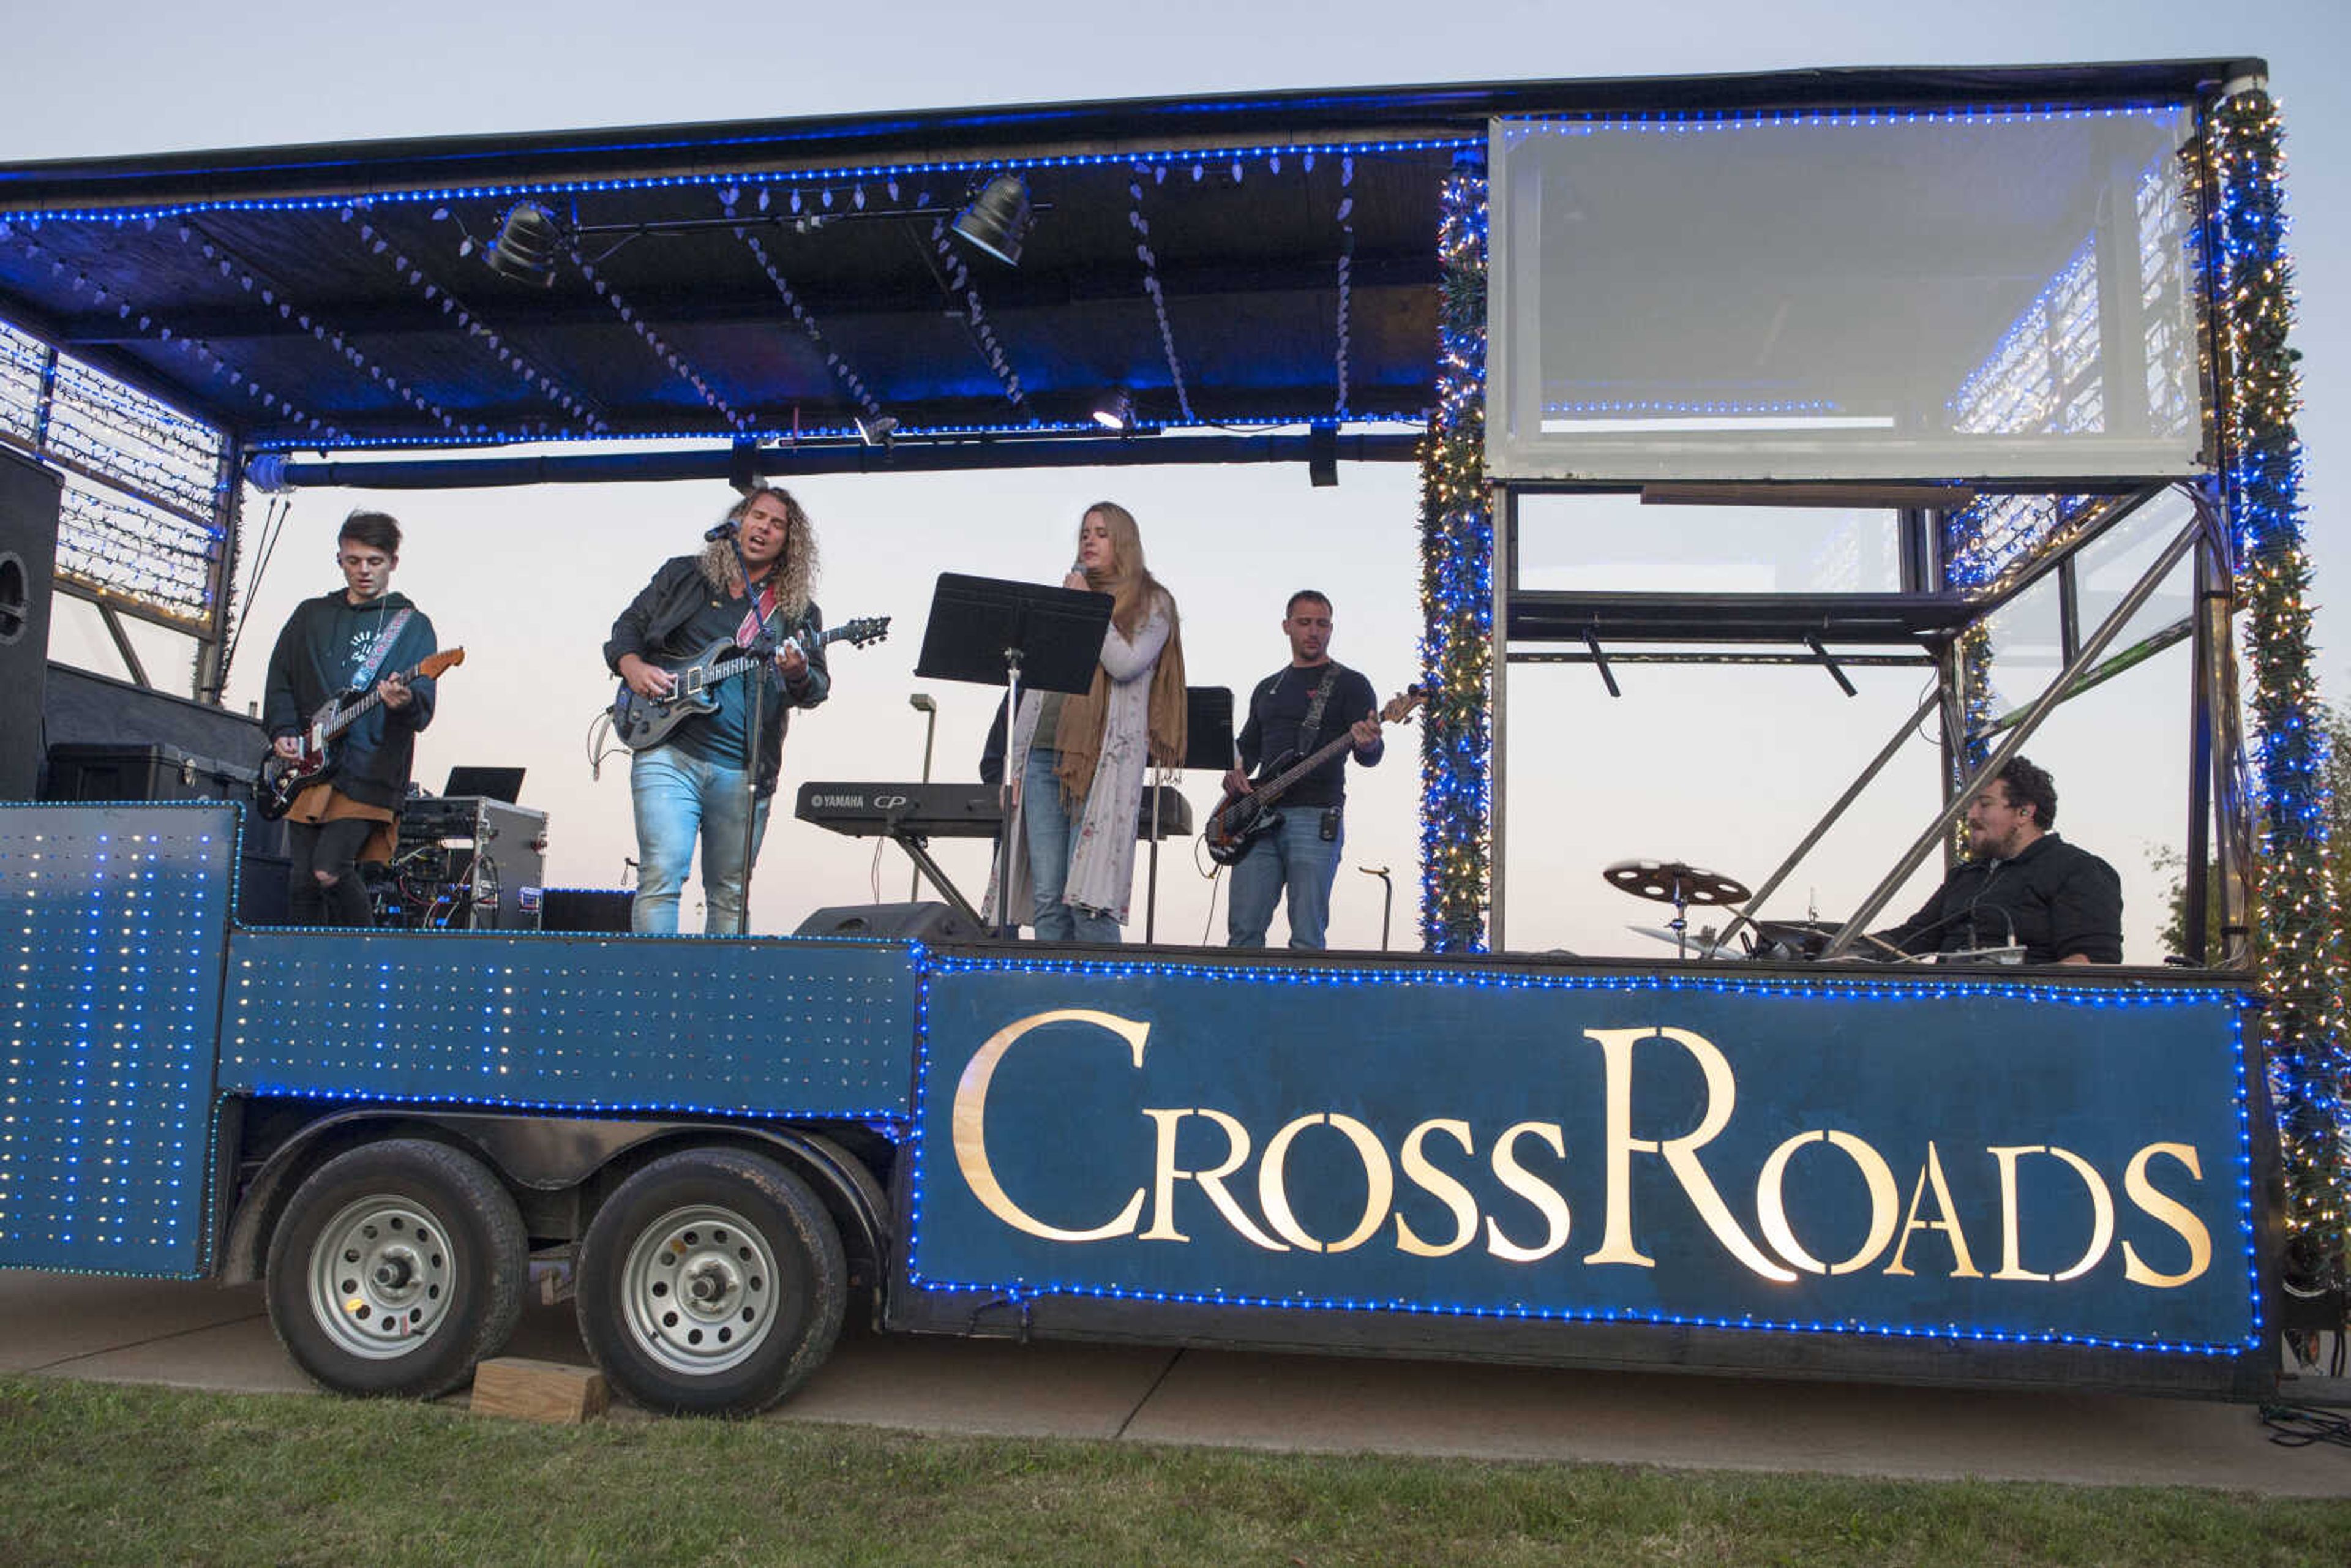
(763,647)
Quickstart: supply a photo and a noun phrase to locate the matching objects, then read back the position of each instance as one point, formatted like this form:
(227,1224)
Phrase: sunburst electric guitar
(280,778)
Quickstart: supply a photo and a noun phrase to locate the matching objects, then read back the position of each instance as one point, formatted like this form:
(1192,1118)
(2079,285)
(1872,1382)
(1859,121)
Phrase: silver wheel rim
(383,1277)
(699,1289)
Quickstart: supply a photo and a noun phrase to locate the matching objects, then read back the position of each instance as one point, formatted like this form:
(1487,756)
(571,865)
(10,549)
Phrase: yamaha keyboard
(948,811)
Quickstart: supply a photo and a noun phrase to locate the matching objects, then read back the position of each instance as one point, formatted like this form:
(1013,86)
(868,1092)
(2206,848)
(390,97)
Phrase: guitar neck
(728,669)
(346,717)
(1298,770)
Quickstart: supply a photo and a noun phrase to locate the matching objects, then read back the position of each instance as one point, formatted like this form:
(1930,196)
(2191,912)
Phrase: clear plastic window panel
(144,445)
(113,543)
(1614,544)
(1917,294)
(21,359)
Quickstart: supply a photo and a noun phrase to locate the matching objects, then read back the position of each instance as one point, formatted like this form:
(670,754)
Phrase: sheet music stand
(990,631)
(1207,743)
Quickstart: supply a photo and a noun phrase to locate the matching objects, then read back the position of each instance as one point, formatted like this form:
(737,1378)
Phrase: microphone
(723,531)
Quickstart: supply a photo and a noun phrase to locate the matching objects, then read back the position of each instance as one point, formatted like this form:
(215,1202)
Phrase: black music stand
(993,633)
(1207,743)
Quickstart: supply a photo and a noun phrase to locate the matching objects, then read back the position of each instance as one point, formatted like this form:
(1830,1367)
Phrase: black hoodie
(325,642)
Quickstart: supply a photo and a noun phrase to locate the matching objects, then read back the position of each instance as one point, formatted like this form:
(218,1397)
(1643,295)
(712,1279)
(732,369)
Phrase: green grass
(98,1473)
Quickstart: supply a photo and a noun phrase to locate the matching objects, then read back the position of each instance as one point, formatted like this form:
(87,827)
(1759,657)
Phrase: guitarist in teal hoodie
(338,652)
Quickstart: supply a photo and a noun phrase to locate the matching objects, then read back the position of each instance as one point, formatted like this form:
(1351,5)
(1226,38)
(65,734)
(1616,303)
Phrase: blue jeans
(1294,854)
(1045,822)
(677,795)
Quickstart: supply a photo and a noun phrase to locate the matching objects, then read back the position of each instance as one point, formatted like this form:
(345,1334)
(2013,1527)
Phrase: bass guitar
(280,779)
(1243,816)
(639,722)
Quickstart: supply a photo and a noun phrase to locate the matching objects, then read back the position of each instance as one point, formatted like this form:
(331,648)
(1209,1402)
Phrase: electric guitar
(639,722)
(280,778)
(1243,816)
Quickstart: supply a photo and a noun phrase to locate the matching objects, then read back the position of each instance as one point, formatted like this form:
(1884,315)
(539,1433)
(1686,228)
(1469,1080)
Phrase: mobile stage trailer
(1737,1169)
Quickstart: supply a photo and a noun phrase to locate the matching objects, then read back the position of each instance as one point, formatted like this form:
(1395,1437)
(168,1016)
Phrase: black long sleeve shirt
(2055,899)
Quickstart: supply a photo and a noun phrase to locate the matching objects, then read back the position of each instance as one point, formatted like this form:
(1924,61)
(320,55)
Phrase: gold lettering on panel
(1963,1266)
(1680,1154)
(1273,1194)
(2011,1266)
(1772,1210)
(2102,1216)
(1533,1188)
(2141,1191)
(970,1115)
(1165,1176)
(1439,1186)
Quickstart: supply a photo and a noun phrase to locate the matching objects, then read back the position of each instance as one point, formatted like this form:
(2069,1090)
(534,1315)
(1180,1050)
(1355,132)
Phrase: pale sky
(1719,766)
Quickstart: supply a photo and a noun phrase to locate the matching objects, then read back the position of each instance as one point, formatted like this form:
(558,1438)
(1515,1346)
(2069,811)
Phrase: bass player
(1292,713)
(364,636)
(750,584)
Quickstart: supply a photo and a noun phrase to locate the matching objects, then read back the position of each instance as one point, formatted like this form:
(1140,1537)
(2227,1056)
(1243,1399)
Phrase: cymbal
(1700,943)
(1674,882)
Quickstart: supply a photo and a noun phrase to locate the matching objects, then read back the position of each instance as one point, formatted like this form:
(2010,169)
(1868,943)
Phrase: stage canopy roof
(1239,261)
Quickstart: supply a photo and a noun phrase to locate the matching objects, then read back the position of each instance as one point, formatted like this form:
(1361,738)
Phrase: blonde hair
(1127,580)
(795,572)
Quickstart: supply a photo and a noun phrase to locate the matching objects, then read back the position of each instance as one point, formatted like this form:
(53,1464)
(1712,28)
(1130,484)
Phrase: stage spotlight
(1114,410)
(997,221)
(526,246)
(879,431)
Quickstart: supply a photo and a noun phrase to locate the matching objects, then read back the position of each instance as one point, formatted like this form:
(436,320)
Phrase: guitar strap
(364,677)
(1309,728)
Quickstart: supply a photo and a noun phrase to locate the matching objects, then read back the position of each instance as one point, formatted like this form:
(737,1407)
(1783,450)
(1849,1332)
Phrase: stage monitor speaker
(585,908)
(904,922)
(29,496)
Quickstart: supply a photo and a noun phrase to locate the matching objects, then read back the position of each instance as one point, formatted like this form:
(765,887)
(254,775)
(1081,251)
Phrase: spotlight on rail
(526,246)
(1114,410)
(997,221)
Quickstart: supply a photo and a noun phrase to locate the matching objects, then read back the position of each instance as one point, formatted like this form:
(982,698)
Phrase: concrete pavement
(200,1336)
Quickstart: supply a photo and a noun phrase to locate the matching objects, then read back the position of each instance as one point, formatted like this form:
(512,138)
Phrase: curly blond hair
(796,572)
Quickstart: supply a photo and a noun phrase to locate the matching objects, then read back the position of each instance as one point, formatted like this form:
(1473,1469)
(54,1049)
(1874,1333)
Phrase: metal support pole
(922,703)
(2107,630)
(1387,898)
(1504,574)
(2196,900)
(1853,792)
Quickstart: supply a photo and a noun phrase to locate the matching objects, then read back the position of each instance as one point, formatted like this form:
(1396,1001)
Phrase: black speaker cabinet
(905,922)
(585,908)
(29,495)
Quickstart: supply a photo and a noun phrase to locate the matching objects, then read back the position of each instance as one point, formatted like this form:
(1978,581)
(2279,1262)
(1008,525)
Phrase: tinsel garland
(2296,945)
(1456,591)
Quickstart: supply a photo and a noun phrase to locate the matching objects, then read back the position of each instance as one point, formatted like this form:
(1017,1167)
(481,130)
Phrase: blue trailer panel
(116,923)
(1856,1155)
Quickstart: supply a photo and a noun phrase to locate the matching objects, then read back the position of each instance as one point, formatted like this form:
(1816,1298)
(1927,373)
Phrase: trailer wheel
(395,1268)
(711,1282)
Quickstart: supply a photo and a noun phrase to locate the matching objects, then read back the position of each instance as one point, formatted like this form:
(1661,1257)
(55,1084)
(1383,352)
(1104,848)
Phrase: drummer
(2022,886)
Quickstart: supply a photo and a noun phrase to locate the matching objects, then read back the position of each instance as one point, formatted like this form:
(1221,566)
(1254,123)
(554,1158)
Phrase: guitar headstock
(863,632)
(431,664)
(1400,707)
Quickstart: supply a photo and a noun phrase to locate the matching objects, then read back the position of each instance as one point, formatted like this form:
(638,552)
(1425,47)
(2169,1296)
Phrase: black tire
(711,1283)
(395,1268)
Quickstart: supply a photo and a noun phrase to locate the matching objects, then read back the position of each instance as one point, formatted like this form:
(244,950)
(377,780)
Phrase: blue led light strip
(1414,419)
(1456,591)
(1198,157)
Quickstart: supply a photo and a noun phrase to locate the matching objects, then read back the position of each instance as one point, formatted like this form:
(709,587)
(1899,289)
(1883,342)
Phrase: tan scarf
(1078,736)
